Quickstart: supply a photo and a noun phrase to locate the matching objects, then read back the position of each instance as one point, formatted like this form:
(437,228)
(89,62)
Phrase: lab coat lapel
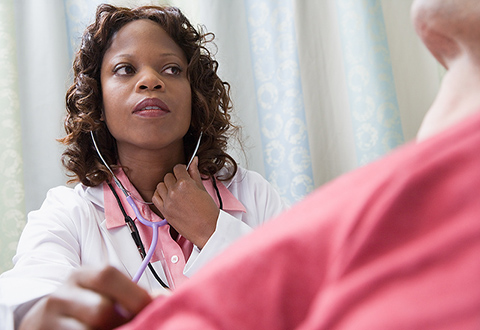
(124,247)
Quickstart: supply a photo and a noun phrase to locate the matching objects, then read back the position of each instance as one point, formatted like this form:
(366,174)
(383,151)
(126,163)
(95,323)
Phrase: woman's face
(146,93)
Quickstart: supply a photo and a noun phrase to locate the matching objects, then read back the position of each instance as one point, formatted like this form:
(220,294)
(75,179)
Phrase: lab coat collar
(115,218)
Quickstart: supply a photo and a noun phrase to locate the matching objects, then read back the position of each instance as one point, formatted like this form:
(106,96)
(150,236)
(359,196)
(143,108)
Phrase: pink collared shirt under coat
(176,252)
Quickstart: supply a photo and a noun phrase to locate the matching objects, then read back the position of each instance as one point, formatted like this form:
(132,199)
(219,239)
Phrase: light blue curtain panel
(281,111)
(371,88)
(79,14)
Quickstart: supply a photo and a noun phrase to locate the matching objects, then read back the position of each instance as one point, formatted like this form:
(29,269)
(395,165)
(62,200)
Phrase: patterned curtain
(279,97)
(78,14)
(12,208)
(369,76)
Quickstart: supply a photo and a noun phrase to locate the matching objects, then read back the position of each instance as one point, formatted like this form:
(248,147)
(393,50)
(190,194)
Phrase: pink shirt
(172,254)
(393,245)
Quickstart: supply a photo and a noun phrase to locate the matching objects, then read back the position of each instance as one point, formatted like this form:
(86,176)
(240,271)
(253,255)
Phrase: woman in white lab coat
(145,96)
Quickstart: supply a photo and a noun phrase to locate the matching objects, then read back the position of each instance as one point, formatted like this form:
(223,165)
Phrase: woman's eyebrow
(130,55)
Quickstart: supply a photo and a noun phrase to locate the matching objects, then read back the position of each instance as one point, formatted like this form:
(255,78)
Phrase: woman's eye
(124,70)
(173,70)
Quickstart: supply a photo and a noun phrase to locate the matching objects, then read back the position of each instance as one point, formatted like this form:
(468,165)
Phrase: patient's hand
(99,299)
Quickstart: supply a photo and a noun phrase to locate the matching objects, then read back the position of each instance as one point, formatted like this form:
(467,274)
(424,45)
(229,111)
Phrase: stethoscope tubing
(153,225)
(153,244)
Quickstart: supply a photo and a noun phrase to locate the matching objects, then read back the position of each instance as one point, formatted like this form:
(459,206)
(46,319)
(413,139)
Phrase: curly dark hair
(211,101)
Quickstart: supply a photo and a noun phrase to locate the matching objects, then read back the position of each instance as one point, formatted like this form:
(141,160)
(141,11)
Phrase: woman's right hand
(186,204)
(90,299)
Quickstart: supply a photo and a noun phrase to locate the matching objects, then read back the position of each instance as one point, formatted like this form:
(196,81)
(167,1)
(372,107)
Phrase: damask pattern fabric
(276,70)
(12,208)
(369,77)
(79,14)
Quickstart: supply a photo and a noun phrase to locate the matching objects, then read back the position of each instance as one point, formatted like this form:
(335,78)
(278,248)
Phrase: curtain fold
(12,195)
(279,97)
(78,15)
(369,78)
(44,71)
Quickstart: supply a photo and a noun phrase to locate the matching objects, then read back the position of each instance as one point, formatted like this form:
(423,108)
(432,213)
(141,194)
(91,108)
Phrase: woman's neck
(146,169)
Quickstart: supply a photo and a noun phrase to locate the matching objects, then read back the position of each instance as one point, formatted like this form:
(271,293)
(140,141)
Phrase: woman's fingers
(113,284)
(90,299)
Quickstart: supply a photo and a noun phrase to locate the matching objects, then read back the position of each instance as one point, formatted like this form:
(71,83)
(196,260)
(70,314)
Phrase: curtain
(319,88)
(369,79)
(12,195)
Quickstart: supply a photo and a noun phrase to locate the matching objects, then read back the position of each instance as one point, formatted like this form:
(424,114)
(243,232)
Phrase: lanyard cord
(136,236)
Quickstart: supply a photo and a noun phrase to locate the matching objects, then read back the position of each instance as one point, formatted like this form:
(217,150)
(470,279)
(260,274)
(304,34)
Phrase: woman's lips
(151,107)
(150,112)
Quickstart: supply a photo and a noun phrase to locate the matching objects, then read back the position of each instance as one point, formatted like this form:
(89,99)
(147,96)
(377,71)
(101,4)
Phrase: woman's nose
(150,80)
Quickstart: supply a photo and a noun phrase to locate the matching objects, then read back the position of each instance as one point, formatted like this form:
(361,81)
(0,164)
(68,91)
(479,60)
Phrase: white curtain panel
(44,71)
(319,88)
(12,194)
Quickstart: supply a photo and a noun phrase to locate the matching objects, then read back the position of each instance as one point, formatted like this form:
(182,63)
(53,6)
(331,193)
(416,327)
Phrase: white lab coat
(69,231)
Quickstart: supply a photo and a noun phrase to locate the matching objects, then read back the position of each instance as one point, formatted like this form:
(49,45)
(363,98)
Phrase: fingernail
(122,311)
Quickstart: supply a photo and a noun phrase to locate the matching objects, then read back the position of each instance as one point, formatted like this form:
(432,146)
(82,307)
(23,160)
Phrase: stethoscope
(154,225)
(136,238)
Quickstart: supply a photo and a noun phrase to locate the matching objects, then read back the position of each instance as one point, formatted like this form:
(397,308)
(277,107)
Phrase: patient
(395,245)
